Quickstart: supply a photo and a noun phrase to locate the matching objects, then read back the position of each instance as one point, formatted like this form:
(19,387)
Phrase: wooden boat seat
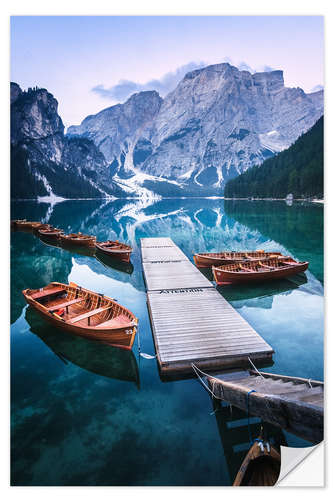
(65,304)
(247,269)
(47,293)
(88,314)
(265,265)
(118,321)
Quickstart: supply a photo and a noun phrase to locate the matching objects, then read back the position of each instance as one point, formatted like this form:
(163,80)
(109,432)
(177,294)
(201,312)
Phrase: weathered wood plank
(162,254)
(300,417)
(191,321)
(173,275)
(157,242)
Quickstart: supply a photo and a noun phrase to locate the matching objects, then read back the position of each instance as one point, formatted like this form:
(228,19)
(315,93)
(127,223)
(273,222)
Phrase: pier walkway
(191,321)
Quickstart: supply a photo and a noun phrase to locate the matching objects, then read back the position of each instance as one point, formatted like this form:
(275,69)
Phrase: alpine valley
(213,126)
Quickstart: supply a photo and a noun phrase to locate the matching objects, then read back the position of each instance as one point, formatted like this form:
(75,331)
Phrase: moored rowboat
(261,466)
(78,239)
(51,232)
(37,226)
(221,258)
(264,269)
(25,224)
(84,313)
(16,222)
(115,249)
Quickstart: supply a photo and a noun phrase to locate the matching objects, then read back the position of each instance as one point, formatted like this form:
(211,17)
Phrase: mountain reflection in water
(87,418)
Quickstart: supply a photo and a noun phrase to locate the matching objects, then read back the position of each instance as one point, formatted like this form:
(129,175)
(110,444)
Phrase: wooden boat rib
(115,249)
(78,239)
(84,313)
(260,467)
(218,259)
(292,403)
(264,269)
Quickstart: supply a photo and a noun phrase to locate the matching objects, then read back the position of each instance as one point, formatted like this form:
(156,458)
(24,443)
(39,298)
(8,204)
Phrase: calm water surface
(87,414)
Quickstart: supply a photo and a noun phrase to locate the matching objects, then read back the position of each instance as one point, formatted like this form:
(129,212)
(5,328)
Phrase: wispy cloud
(168,82)
(124,88)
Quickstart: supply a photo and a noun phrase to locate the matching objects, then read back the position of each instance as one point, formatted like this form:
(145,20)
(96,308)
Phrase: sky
(89,63)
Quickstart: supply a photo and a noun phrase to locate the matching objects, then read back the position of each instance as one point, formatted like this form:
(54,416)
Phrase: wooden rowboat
(115,249)
(37,227)
(84,313)
(51,232)
(16,222)
(26,225)
(264,269)
(78,239)
(221,258)
(260,467)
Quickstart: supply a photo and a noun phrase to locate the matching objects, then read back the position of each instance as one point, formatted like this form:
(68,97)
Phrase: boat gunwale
(37,305)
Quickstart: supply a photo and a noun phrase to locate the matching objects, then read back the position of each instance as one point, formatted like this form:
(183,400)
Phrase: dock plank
(173,275)
(157,242)
(163,254)
(191,321)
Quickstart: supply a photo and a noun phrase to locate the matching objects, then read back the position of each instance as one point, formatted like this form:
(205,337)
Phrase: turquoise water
(87,414)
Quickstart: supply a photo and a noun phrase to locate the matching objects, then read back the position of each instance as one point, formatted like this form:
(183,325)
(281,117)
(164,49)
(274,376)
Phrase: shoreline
(275,199)
(321,201)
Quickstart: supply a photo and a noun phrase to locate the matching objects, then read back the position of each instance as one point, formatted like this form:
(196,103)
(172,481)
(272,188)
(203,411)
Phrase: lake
(89,414)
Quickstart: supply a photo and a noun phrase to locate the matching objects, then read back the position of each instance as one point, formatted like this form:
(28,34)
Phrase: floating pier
(191,321)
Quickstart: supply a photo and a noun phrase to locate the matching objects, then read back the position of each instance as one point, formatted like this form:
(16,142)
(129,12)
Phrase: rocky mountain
(47,164)
(299,170)
(217,123)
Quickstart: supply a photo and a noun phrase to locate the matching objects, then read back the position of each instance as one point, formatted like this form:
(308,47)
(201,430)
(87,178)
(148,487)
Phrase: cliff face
(117,130)
(46,163)
(217,123)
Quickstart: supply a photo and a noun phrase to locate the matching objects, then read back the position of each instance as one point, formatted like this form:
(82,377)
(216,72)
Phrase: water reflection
(125,267)
(299,228)
(118,438)
(95,357)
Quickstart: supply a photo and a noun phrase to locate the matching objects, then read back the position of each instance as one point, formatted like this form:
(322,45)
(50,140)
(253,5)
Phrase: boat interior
(263,265)
(79,307)
(242,255)
(114,244)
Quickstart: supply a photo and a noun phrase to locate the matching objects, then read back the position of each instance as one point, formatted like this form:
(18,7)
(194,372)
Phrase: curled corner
(302,466)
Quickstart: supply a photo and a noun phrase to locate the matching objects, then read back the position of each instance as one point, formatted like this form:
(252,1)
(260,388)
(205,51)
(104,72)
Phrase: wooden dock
(292,403)
(191,321)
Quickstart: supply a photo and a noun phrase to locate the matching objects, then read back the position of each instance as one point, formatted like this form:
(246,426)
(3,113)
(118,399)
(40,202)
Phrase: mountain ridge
(214,125)
(298,170)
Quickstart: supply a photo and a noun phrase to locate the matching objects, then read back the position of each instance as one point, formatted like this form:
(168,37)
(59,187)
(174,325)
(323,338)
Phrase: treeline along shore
(299,170)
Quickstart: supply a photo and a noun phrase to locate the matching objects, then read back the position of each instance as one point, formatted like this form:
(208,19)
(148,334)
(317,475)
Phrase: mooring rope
(255,368)
(196,370)
(143,354)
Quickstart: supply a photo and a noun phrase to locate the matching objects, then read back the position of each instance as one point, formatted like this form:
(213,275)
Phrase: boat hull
(51,235)
(79,242)
(259,468)
(123,255)
(208,260)
(223,277)
(122,337)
